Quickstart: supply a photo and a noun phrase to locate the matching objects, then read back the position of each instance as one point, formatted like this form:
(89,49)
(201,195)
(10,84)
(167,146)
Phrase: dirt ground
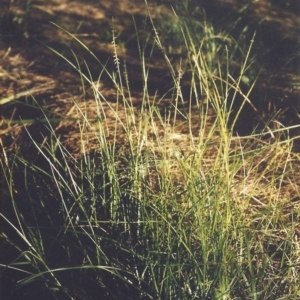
(28,68)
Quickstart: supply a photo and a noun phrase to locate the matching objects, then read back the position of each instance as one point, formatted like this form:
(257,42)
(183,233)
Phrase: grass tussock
(156,201)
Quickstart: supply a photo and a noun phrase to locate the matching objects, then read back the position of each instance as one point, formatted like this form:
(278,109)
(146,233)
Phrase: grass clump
(163,202)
